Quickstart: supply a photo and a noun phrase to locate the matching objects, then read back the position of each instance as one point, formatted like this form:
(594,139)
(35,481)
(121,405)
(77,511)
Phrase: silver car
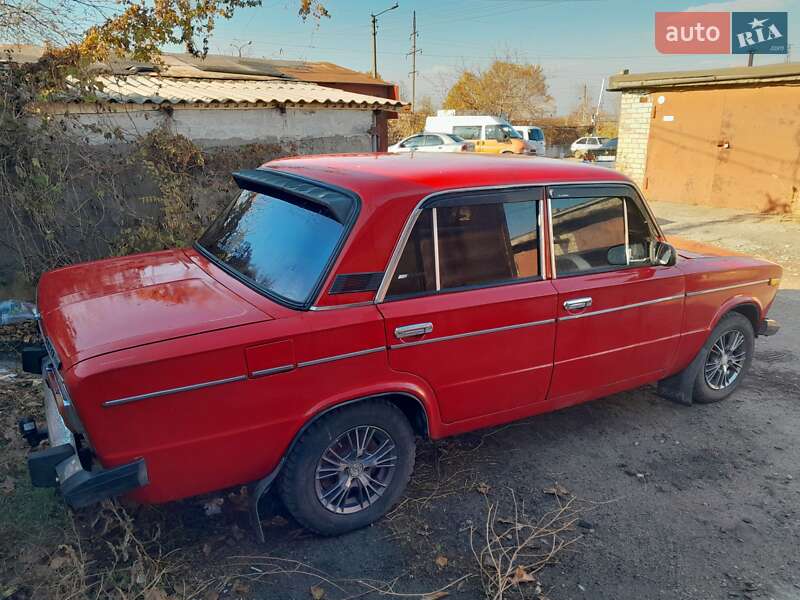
(432,142)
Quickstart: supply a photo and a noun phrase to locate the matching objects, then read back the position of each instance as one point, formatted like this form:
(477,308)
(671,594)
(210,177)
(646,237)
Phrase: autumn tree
(135,28)
(516,90)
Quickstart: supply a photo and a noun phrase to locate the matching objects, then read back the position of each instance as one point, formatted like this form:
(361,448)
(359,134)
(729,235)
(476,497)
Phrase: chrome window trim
(436,266)
(327,359)
(726,287)
(175,390)
(388,273)
(623,307)
(456,336)
(337,306)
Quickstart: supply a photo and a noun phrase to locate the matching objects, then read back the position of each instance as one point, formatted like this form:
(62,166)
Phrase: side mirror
(617,255)
(664,255)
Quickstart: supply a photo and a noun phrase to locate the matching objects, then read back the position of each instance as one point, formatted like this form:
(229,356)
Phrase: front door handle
(578,303)
(413,330)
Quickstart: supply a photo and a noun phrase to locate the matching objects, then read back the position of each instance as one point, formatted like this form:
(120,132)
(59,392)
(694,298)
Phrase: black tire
(298,485)
(704,391)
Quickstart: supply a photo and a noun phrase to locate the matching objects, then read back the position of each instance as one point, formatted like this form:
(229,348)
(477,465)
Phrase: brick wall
(634,129)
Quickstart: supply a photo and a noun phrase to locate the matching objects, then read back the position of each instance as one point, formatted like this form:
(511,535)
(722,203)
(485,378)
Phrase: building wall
(308,130)
(634,131)
(735,147)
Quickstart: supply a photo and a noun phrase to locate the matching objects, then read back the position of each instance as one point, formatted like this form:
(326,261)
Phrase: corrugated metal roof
(148,89)
(765,75)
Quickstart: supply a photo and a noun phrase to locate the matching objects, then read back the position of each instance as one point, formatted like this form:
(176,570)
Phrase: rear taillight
(464,147)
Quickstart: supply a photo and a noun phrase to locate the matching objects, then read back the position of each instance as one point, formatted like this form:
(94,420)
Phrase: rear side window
(472,245)
(468,132)
(281,246)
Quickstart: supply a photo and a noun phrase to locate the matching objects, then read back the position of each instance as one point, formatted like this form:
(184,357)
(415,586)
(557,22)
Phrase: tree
(136,28)
(517,91)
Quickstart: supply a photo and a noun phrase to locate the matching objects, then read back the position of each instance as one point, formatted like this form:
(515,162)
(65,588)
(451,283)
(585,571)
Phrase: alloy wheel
(725,360)
(356,469)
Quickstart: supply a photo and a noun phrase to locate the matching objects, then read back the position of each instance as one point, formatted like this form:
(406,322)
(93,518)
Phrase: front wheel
(349,468)
(728,355)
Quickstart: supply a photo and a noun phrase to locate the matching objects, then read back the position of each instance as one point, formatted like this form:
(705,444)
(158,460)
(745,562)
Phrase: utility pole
(242,47)
(413,55)
(375,38)
(597,110)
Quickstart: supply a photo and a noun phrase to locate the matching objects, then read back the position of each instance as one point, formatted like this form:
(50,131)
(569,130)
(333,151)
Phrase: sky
(577,42)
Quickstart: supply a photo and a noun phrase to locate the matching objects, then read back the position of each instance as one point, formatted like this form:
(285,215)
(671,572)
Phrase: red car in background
(341,306)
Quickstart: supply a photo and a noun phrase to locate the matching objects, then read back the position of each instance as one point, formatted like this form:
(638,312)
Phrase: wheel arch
(748,306)
(409,404)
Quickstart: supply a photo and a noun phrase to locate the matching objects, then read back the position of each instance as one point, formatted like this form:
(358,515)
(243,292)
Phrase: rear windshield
(282,246)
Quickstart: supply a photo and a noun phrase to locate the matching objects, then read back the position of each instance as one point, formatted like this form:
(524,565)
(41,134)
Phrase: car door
(465,304)
(411,144)
(619,315)
(434,143)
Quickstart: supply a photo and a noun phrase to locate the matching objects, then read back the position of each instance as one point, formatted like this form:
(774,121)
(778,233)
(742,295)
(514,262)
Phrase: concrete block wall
(634,129)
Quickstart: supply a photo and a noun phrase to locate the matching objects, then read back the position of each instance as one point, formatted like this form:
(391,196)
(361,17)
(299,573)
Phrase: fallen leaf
(317,592)
(522,576)
(211,595)
(213,506)
(240,588)
(206,548)
(7,486)
(441,561)
(483,488)
(556,490)
(435,595)
(58,561)
(155,594)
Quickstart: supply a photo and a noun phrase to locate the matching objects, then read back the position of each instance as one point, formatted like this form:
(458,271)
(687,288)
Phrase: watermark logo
(721,33)
(759,33)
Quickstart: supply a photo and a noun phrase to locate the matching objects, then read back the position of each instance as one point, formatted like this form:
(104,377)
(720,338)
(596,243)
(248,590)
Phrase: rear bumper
(60,465)
(768,327)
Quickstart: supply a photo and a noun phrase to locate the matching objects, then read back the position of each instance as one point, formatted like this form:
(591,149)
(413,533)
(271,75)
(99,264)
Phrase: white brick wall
(634,129)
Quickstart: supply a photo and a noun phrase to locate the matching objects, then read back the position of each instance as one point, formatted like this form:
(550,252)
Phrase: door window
(433,140)
(599,233)
(413,142)
(458,246)
(468,132)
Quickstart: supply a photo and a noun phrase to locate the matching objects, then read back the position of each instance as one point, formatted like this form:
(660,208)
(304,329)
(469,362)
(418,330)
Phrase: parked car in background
(432,142)
(489,134)
(534,136)
(342,306)
(584,144)
(605,153)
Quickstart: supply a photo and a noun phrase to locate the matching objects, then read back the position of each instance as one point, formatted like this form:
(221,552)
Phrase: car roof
(392,185)
(378,177)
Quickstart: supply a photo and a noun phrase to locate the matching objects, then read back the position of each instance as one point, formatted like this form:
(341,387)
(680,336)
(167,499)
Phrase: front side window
(468,132)
(600,233)
(280,245)
(413,142)
(476,244)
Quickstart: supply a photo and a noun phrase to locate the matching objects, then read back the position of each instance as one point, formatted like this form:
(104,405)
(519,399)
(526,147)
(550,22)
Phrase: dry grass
(512,550)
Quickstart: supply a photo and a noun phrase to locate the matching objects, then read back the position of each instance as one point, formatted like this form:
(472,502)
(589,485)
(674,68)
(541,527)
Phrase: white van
(534,136)
(489,134)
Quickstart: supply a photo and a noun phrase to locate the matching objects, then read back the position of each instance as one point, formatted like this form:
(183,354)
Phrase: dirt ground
(669,501)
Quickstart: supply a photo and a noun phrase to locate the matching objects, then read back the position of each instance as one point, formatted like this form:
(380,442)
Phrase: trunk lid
(100,307)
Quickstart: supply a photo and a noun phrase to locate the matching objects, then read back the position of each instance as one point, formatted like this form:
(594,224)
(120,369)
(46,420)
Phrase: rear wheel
(349,468)
(728,355)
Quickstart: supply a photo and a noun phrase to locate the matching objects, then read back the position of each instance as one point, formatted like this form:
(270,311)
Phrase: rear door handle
(578,303)
(413,330)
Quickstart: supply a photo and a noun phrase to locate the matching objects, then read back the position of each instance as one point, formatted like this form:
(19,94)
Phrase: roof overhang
(764,75)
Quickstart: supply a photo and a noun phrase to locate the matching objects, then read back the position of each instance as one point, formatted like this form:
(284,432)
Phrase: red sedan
(341,306)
